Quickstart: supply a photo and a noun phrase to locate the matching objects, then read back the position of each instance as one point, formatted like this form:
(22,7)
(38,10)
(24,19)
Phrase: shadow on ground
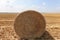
(45,36)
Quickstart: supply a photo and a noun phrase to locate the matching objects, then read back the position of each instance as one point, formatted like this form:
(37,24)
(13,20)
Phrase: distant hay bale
(29,24)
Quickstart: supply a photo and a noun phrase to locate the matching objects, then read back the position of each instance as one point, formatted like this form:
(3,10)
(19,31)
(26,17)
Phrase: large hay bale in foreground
(29,24)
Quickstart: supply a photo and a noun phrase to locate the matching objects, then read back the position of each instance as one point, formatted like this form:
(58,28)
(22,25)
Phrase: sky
(22,5)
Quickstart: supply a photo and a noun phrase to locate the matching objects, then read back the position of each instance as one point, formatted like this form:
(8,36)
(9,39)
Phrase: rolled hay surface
(29,24)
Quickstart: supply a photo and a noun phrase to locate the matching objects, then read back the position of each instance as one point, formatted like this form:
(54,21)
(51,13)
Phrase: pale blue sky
(22,5)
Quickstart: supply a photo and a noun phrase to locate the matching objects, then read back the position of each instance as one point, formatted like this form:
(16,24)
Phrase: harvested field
(7,31)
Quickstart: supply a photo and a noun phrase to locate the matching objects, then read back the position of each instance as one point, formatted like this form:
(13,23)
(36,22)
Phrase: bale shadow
(45,36)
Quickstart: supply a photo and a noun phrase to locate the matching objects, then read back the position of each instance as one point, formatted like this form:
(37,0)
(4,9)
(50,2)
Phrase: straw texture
(29,24)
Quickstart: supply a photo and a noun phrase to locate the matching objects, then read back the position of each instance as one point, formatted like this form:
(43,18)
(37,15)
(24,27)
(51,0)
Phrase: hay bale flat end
(29,24)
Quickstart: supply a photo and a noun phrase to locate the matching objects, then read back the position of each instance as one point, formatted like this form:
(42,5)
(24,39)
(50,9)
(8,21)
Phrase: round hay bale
(29,24)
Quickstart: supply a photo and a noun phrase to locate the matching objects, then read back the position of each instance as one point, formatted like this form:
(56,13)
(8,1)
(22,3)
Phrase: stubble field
(7,31)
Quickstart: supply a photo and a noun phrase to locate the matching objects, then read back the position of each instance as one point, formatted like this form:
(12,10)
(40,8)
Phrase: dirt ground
(7,31)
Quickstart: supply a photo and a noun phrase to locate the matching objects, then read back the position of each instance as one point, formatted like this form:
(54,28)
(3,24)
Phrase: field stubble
(7,31)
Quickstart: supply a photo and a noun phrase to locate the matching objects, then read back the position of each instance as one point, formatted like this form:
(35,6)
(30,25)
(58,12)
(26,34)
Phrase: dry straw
(29,24)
